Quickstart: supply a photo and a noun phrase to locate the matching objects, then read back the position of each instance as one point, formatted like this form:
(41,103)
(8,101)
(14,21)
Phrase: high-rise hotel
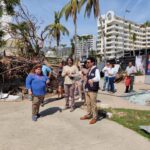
(121,37)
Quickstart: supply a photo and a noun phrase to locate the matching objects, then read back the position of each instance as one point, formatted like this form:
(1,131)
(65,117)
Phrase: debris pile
(13,71)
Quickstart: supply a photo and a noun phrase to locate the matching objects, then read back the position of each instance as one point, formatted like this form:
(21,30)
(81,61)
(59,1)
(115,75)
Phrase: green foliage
(71,9)
(56,28)
(90,5)
(139,73)
(9,8)
(92,53)
(10,4)
(132,119)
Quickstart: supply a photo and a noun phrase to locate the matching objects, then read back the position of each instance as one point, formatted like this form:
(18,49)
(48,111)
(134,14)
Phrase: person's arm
(64,72)
(28,83)
(76,72)
(97,76)
(47,80)
(104,69)
(49,70)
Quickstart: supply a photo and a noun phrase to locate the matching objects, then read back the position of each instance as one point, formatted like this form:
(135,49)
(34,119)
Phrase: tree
(133,42)
(6,6)
(94,4)
(145,25)
(25,30)
(57,29)
(70,10)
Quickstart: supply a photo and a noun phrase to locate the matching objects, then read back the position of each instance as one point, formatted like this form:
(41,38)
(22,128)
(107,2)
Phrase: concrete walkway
(61,130)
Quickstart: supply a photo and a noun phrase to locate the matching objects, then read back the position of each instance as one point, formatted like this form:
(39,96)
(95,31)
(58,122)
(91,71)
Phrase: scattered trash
(145,128)
(109,114)
(6,97)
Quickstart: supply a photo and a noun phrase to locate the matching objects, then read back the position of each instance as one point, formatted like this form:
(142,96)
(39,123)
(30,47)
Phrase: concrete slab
(62,130)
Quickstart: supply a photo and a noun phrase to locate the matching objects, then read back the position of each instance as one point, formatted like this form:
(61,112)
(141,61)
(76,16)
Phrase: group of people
(72,78)
(110,76)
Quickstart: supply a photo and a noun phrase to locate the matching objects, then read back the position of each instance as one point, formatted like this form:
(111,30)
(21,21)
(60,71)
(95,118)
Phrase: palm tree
(94,4)
(145,25)
(133,42)
(70,10)
(56,28)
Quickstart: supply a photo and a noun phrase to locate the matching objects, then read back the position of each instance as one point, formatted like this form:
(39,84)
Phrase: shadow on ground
(49,100)
(50,111)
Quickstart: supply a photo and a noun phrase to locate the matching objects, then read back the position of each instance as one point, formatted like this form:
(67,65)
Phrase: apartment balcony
(110,52)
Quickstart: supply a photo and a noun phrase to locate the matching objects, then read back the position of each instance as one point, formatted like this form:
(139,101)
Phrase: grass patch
(132,119)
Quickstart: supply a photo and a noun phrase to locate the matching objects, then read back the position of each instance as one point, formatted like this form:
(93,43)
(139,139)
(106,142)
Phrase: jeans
(131,84)
(111,84)
(106,83)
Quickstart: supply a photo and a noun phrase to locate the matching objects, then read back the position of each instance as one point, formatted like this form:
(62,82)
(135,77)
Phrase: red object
(127,81)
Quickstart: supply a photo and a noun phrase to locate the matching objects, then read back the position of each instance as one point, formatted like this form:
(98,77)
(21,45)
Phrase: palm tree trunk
(102,34)
(75,51)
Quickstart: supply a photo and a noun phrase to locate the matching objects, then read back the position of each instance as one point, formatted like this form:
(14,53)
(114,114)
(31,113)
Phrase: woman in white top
(69,72)
(111,78)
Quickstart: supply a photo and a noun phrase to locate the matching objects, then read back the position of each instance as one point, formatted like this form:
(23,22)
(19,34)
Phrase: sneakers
(65,107)
(72,109)
(34,118)
(38,115)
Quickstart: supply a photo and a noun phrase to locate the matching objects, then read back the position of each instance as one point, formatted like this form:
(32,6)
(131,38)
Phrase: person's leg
(107,83)
(80,90)
(131,84)
(104,85)
(93,96)
(66,88)
(127,89)
(71,92)
(89,109)
(35,107)
(112,84)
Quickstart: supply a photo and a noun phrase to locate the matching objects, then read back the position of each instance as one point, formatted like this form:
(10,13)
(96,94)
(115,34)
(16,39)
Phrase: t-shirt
(112,71)
(37,84)
(46,70)
(131,70)
(106,70)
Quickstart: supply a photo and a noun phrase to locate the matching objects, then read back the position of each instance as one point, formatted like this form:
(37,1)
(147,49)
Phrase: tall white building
(85,43)
(121,36)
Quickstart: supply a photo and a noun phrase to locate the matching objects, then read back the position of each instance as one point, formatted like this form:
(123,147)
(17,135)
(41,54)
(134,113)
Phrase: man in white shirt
(131,70)
(105,70)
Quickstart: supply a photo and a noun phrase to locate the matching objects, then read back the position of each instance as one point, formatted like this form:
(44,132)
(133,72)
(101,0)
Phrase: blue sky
(44,11)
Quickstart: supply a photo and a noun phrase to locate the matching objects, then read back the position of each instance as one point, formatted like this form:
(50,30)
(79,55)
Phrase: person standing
(91,88)
(105,70)
(69,73)
(36,84)
(131,70)
(111,77)
(60,80)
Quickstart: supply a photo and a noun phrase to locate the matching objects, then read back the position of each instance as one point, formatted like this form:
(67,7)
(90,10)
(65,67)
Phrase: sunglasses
(88,62)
